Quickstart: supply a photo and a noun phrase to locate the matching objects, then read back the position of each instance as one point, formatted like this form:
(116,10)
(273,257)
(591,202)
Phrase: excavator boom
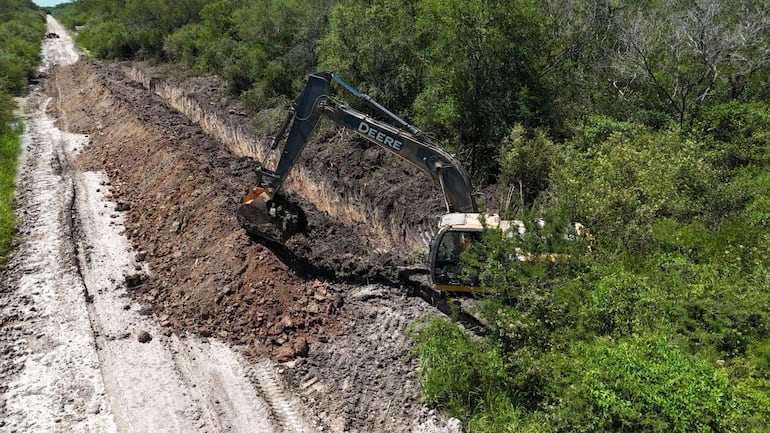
(398,137)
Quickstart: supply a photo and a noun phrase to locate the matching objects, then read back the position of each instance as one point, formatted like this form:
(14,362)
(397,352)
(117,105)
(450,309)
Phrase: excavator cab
(457,232)
(446,268)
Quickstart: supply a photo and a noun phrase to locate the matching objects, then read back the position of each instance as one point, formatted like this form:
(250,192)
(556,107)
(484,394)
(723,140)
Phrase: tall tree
(581,40)
(683,53)
(374,44)
(482,74)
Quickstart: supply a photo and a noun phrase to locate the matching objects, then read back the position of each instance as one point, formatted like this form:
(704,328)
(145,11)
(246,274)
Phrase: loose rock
(144,337)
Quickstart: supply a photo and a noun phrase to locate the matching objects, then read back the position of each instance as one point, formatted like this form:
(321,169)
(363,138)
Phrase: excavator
(261,211)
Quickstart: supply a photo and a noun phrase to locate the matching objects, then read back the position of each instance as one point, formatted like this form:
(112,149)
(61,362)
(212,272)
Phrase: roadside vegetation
(649,124)
(22,25)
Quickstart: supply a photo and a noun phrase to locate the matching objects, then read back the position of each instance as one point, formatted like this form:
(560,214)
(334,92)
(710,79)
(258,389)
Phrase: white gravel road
(76,354)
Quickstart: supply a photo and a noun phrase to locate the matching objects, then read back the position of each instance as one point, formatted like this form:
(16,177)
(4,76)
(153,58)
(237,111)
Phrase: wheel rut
(264,376)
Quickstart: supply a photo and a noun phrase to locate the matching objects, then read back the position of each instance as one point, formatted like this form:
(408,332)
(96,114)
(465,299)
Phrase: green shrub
(737,134)
(185,45)
(497,414)
(622,303)
(19,48)
(761,357)
(12,73)
(6,108)
(640,383)
(646,384)
(623,184)
(108,39)
(246,63)
(263,49)
(72,15)
(465,378)
(597,128)
(394,76)
(21,27)
(526,161)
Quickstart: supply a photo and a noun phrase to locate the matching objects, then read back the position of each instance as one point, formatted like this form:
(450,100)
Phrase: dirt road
(134,303)
(78,354)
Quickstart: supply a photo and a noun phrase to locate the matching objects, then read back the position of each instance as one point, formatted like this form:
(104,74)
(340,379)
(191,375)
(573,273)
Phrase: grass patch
(9,154)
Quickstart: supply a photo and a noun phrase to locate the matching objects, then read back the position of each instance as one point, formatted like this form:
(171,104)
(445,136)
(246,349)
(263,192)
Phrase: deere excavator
(261,212)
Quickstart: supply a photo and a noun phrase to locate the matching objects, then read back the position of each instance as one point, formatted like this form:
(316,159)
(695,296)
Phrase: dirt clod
(134,280)
(301,347)
(292,349)
(144,337)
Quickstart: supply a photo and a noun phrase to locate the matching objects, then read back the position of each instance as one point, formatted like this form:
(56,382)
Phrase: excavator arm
(398,137)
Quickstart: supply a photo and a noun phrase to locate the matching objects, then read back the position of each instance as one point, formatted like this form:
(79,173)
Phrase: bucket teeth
(259,194)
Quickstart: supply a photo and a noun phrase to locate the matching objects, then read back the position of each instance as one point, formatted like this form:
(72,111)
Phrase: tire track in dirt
(266,379)
(55,384)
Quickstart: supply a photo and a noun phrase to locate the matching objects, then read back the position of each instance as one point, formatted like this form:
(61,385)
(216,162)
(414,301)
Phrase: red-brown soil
(181,190)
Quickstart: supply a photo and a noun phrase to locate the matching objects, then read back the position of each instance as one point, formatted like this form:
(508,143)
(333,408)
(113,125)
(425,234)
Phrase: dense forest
(22,26)
(648,123)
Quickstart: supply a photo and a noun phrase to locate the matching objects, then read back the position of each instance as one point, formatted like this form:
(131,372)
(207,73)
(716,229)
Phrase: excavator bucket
(258,195)
(269,216)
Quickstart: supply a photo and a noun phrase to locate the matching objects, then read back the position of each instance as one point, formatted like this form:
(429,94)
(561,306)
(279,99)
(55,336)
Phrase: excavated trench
(178,179)
(392,205)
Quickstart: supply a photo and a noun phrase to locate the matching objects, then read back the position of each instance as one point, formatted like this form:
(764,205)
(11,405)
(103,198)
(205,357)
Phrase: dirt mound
(389,203)
(181,191)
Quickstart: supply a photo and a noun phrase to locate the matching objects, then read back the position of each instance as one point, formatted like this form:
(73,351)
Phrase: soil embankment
(391,204)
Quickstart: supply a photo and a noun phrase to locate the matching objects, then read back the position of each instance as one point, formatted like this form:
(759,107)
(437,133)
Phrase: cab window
(447,268)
